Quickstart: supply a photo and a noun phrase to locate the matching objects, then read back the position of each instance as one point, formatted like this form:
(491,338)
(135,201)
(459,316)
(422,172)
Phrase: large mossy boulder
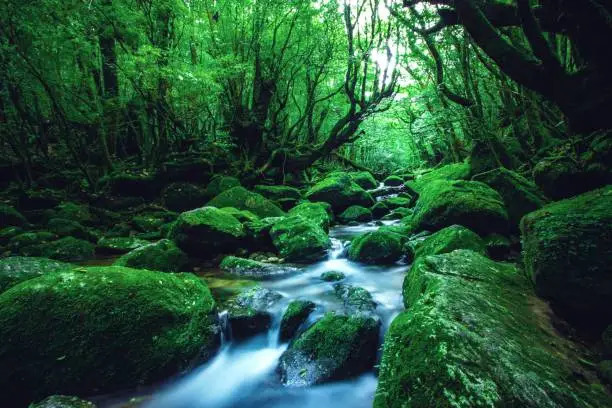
(10,217)
(278,192)
(204,231)
(243,199)
(364,179)
(96,330)
(341,192)
(67,249)
(249,312)
(163,256)
(336,347)
(16,269)
(182,197)
(567,248)
(475,335)
(220,184)
(472,204)
(447,240)
(253,269)
(320,213)
(294,316)
(393,181)
(457,171)
(383,246)
(300,240)
(30,243)
(520,195)
(355,213)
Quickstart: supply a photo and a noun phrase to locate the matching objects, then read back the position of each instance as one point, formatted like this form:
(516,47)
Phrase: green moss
(364,179)
(10,217)
(398,202)
(243,199)
(377,247)
(113,328)
(119,245)
(220,184)
(6,234)
(67,228)
(320,213)
(567,250)
(393,181)
(225,288)
(355,213)
(182,197)
(241,215)
(163,256)
(153,221)
(457,171)
(469,203)
(356,300)
(278,192)
(73,211)
(447,240)
(63,401)
(67,249)
(340,192)
(332,276)
(28,240)
(380,209)
(475,335)
(296,314)
(299,240)
(16,269)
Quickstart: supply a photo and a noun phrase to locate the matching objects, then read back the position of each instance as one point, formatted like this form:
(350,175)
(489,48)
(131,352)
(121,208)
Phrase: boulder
(447,240)
(112,328)
(300,240)
(296,314)
(519,194)
(241,215)
(6,234)
(320,213)
(220,184)
(378,247)
(67,249)
(355,213)
(357,301)
(16,269)
(119,245)
(253,269)
(243,199)
(69,228)
(10,217)
(469,203)
(379,210)
(475,335)
(29,242)
(249,312)
(341,192)
(163,256)
(336,347)
(399,202)
(153,221)
(133,183)
(63,401)
(69,210)
(205,231)
(278,192)
(258,233)
(364,179)
(457,171)
(393,181)
(567,250)
(561,177)
(332,276)
(182,197)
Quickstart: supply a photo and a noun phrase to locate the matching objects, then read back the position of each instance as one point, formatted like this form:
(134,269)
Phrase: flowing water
(244,374)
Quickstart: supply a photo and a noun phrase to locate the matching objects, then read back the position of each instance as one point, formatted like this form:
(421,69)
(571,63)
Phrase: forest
(305,203)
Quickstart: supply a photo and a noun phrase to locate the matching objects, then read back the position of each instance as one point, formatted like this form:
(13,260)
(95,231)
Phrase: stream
(243,374)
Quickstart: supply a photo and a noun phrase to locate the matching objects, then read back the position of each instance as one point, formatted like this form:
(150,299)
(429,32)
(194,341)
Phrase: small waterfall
(226,328)
(338,248)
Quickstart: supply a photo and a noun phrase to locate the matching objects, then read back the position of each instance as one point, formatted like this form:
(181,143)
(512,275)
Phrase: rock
(500,247)
(561,177)
(457,171)
(40,199)
(242,199)
(300,240)
(355,213)
(29,242)
(250,268)
(113,328)
(340,192)
(220,184)
(398,214)
(519,194)
(377,247)
(332,276)
(356,300)
(119,245)
(249,312)
(10,217)
(320,213)
(379,210)
(6,234)
(399,202)
(163,256)
(447,240)
(469,203)
(153,221)
(182,197)
(135,184)
(241,215)
(69,228)
(336,347)
(67,249)
(487,155)
(393,181)
(278,192)
(475,335)
(16,269)
(205,231)
(77,212)
(364,179)
(258,233)
(63,401)
(188,166)
(296,314)
(567,250)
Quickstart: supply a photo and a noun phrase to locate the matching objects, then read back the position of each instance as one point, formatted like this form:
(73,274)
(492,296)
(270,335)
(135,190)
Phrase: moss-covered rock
(220,184)
(182,197)
(320,213)
(241,215)
(69,228)
(29,242)
(447,240)
(133,183)
(457,171)
(67,249)
(393,181)
(204,231)
(119,245)
(356,300)
(399,214)
(501,248)
(63,401)
(475,335)
(341,192)
(249,312)
(469,203)
(112,328)
(69,210)
(561,177)
(16,269)
(379,210)
(568,252)
(378,247)
(258,233)
(163,256)
(520,195)
(364,179)
(336,347)
(243,199)
(296,314)
(250,268)
(332,276)
(278,192)
(10,217)
(399,202)
(152,221)
(299,240)
(6,234)
(355,213)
